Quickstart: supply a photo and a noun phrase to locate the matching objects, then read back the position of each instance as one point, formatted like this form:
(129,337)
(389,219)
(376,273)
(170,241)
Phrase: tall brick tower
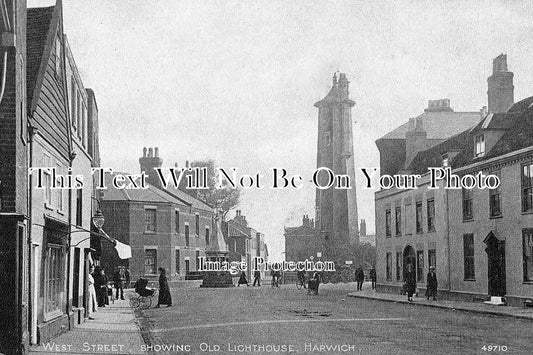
(336,209)
(500,86)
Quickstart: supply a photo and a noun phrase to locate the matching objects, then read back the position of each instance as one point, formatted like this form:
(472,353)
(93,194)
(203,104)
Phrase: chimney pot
(156,152)
(144,152)
(150,152)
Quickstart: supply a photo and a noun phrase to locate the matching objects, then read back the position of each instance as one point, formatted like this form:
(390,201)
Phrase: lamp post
(98,219)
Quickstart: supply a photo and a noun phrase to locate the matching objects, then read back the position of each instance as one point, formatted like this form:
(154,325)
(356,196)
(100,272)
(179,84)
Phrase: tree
(224,197)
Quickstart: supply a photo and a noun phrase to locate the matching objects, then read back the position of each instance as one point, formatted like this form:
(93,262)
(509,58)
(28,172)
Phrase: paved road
(245,320)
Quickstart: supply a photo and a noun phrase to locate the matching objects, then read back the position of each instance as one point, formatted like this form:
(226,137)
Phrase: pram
(144,300)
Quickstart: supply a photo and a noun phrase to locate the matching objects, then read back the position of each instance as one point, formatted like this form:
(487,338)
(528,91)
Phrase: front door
(409,258)
(496,265)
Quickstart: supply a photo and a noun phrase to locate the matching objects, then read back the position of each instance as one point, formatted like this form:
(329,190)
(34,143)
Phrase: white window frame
(480,145)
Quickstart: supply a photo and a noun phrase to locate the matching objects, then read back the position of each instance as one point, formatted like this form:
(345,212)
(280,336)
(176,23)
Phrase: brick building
(164,227)
(480,240)
(244,243)
(300,242)
(14,208)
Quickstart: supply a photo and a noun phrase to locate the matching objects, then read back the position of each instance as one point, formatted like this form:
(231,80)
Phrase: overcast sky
(236,81)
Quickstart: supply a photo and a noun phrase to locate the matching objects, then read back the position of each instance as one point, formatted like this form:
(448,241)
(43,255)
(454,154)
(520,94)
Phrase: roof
(245,231)
(194,202)
(301,230)
(439,124)
(518,126)
(150,194)
(39,20)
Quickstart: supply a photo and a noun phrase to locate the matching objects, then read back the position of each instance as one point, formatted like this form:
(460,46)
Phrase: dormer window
(445,160)
(480,145)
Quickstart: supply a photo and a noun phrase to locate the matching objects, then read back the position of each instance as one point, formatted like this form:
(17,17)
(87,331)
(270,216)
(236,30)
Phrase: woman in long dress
(242,280)
(93,307)
(164,289)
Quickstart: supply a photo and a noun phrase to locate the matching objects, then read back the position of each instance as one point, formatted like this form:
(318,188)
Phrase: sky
(236,81)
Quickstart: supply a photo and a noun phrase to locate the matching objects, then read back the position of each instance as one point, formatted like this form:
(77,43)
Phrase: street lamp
(98,219)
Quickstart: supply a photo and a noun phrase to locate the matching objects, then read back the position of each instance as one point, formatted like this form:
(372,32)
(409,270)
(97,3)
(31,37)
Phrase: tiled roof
(439,124)
(518,126)
(301,230)
(150,194)
(194,202)
(38,25)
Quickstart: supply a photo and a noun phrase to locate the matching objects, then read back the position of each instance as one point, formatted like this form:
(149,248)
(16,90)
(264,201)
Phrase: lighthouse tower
(336,208)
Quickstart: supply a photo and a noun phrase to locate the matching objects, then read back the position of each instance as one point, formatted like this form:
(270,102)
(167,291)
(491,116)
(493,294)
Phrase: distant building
(301,241)
(363,237)
(244,242)
(480,240)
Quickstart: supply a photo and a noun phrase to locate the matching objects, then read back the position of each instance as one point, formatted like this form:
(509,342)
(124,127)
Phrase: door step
(496,301)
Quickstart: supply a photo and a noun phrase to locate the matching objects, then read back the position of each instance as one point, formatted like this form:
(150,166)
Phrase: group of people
(100,287)
(410,283)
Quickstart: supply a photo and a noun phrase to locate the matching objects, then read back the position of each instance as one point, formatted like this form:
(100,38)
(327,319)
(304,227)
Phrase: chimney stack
(148,163)
(500,86)
(415,140)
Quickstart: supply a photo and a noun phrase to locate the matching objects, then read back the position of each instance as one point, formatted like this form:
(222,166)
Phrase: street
(286,320)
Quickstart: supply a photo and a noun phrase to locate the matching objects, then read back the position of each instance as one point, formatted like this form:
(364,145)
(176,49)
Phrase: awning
(123,250)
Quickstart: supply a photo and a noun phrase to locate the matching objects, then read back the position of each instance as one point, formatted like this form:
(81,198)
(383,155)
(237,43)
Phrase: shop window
(54,279)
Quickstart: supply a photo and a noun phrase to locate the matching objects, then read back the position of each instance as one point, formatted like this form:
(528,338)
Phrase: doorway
(496,265)
(409,258)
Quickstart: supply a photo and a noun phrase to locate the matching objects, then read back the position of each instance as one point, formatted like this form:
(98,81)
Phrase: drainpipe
(448,240)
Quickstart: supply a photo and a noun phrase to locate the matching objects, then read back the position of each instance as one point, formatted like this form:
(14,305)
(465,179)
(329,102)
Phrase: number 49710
(494,348)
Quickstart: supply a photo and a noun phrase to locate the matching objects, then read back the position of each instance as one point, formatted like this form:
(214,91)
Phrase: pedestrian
(242,280)
(92,294)
(100,285)
(410,282)
(257,278)
(432,284)
(313,284)
(373,277)
(301,278)
(120,280)
(359,277)
(128,278)
(164,289)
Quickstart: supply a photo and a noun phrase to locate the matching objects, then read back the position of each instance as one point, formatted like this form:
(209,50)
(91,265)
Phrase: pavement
(114,330)
(473,307)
